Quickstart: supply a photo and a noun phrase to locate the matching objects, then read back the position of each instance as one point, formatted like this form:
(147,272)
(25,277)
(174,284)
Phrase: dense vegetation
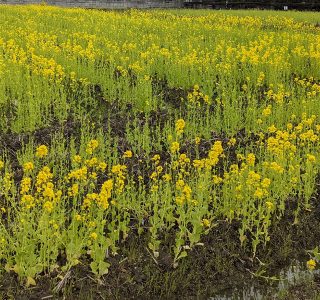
(152,126)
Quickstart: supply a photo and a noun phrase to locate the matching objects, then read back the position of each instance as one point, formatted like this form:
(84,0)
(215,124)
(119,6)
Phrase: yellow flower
(93,235)
(167,177)
(265,183)
(251,159)
(118,169)
(187,191)
(159,169)
(311,264)
(77,159)
(74,189)
(78,173)
(272,129)
(180,200)
(48,206)
(183,159)
(127,154)
(197,140)
(28,201)
(216,179)
(78,217)
(91,162)
(92,145)
(175,147)
(102,166)
(28,166)
(42,151)
(289,126)
(154,175)
(259,121)
(238,188)
(43,176)
(276,167)
(198,163)
(180,184)
(105,194)
(259,193)
(92,224)
(311,158)
(206,223)
(214,153)
(269,205)
(25,185)
(180,125)
(232,141)
(154,188)
(267,111)
(156,157)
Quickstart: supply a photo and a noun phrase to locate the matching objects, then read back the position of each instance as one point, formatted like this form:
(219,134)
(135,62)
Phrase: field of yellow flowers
(155,127)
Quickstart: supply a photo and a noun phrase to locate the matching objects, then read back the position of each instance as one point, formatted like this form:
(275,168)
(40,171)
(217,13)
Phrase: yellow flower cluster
(196,97)
(127,154)
(180,125)
(92,145)
(311,264)
(42,151)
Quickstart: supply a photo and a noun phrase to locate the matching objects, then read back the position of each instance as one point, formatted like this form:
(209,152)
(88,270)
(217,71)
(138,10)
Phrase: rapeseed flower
(28,201)
(180,125)
(25,185)
(127,154)
(28,166)
(232,141)
(267,111)
(102,166)
(311,264)
(48,206)
(175,147)
(92,145)
(167,177)
(156,158)
(251,159)
(259,193)
(269,205)
(94,235)
(206,223)
(272,128)
(42,151)
(311,158)
(77,159)
(265,183)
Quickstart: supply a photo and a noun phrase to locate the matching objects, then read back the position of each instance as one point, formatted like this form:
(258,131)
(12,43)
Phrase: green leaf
(94,267)
(182,255)
(103,268)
